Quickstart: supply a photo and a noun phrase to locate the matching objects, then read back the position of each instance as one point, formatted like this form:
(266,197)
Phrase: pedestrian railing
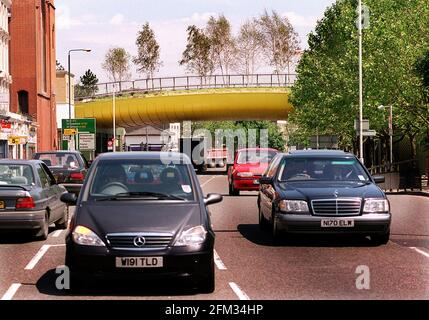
(400,176)
(191,82)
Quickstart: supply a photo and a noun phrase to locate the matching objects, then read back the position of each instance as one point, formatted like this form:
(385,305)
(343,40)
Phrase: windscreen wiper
(134,194)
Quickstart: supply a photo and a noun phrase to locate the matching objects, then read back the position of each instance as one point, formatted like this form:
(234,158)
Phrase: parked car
(30,198)
(249,165)
(68,167)
(138,215)
(323,192)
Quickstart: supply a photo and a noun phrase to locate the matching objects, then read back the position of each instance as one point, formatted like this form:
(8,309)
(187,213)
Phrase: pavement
(248,265)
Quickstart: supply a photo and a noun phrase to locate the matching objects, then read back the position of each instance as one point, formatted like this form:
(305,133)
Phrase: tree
(325,94)
(148,52)
(117,64)
(280,41)
(196,56)
(222,44)
(249,44)
(88,84)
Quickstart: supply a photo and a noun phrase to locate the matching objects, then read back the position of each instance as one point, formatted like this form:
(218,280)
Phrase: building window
(23,102)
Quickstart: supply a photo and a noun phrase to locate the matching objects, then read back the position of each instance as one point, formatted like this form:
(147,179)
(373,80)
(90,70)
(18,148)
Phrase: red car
(249,165)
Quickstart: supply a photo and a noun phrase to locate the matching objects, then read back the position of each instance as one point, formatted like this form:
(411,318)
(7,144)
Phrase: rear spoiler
(14,186)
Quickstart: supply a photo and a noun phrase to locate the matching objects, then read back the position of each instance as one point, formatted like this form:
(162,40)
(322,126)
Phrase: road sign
(110,145)
(82,127)
(70,132)
(86,141)
(16,140)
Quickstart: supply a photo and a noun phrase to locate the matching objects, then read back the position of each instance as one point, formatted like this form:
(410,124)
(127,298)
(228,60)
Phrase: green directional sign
(84,137)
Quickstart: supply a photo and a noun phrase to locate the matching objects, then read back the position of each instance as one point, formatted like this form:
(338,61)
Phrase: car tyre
(43,232)
(381,239)
(232,190)
(263,223)
(206,283)
(64,221)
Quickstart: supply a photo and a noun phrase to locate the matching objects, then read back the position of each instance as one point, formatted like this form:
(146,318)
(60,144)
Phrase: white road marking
(39,255)
(11,291)
(57,233)
(208,181)
(219,264)
(420,251)
(240,293)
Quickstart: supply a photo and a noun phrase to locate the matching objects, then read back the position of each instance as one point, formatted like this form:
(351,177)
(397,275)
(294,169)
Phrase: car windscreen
(59,160)
(323,169)
(14,174)
(142,178)
(255,156)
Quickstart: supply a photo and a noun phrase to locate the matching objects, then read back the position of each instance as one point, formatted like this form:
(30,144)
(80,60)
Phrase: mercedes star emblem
(139,241)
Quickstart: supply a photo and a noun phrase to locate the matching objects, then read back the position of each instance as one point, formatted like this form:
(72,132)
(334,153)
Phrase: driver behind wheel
(111,174)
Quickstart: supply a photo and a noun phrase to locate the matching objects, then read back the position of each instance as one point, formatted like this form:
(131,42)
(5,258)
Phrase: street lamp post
(114,117)
(360,86)
(69,79)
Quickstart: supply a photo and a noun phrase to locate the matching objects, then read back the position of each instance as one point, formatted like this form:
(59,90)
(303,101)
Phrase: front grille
(337,207)
(122,241)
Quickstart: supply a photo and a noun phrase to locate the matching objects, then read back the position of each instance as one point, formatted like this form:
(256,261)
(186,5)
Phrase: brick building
(33,67)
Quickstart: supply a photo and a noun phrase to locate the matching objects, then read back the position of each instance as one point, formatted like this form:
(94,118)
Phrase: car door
(266,191)
(52,198)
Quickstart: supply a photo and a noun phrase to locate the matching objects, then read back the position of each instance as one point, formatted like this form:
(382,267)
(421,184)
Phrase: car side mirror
(266,180)
(69,198)
(212,198)
(379,179)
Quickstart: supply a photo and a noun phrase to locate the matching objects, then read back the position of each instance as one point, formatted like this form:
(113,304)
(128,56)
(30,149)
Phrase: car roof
(319,153)
(57,151)
(150,155)
(256,149)
(19,161)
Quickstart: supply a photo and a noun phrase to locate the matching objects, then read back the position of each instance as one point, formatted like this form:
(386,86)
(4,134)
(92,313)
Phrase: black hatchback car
(142,214)
(323,192)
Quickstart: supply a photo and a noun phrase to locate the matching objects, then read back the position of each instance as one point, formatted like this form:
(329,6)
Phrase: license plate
(337,223)
(139,262)
(2,206)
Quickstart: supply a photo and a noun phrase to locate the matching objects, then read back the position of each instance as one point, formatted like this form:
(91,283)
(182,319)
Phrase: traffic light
(365,14)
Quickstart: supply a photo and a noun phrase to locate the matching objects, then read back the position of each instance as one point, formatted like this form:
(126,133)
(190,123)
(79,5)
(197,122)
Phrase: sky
(103,24)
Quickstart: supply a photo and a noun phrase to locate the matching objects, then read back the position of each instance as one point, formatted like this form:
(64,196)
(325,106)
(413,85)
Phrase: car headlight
(192,236)
(376,205)
(86,237)
(294,206)
(244,174)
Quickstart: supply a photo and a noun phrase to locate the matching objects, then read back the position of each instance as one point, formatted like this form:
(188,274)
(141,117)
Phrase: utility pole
(114,117)
(361,155)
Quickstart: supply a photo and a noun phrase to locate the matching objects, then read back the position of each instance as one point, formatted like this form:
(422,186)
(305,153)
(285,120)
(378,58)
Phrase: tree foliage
(249,44)
(280,40)
(88,85)
(222,43)
(196,56)
(117,64)
(326,93)
(148,52)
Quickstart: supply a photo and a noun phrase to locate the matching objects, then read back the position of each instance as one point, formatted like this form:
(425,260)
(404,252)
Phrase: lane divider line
(420,251)
(39,255)
(208,181)
(57,233)
(219,264)
(237,290)
(11,291)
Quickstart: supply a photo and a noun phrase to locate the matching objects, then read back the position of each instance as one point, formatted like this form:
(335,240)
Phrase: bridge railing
(190,83)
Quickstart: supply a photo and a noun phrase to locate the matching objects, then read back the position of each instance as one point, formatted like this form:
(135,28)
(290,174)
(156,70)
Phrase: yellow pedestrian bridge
(133,110)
